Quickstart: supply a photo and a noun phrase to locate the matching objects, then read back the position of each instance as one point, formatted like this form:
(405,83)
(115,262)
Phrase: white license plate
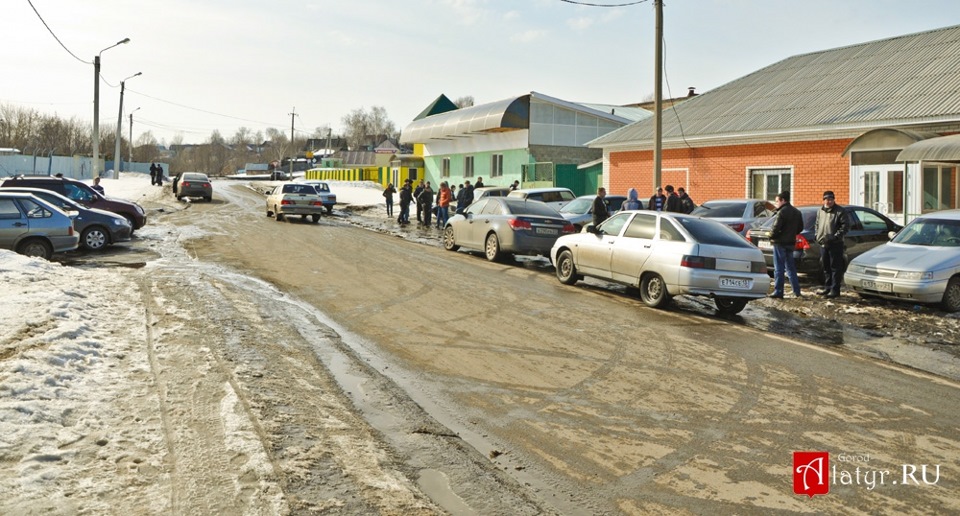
(547,231)
(878,286)
(764,244)
(736,283)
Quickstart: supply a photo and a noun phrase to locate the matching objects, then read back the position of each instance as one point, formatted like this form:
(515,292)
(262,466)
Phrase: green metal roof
(908,79)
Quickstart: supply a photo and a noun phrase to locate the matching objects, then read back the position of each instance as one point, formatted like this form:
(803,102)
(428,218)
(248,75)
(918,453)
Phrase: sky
(224,64)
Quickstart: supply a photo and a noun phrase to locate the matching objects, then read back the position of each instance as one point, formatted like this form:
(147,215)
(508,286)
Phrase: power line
(54,35)
(604,5)
(269,124)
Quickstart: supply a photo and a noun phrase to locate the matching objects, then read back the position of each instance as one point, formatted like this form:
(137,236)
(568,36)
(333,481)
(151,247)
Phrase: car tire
(491,248)
(730,305)
(449,239)
(951,296)
(653,291)
(566,270)
(94,238)
(179,197)
(280,216)
(269,213)
(36,247)
(315,218)
(208,199)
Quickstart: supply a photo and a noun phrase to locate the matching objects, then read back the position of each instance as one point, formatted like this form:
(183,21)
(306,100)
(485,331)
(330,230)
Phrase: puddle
(436,485)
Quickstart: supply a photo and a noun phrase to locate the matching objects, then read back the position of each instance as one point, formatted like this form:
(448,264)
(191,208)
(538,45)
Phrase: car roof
(943,214)
(544,189)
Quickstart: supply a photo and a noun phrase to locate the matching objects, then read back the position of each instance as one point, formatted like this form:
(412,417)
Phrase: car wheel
(179,197)
(208,199)
(269,213)
(653,290)
(730,305)
(449,241)
(492,248)
(303,217)
(37,248)
(94,238)
(951,296)
(566,270)
(280,216)
(315,218)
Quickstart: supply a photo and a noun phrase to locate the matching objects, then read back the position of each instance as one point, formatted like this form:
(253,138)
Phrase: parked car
(505,226)
(490,191)
(294,199)
(323,189)
(580,210)
(554,197)
(97,228)
(739,214)
(868,229)
(920,265)
(665,255)
(32,227)
(83,194)
(194,184)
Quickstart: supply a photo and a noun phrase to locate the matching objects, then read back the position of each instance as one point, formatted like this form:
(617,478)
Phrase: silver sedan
(666,255)
(503,226)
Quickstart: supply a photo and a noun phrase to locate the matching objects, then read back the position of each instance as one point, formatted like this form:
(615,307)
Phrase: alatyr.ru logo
(813,475)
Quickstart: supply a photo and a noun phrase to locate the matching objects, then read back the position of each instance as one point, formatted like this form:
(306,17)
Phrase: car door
(595,249)
(631,251)
(867,230)
(473,229)
(13,223)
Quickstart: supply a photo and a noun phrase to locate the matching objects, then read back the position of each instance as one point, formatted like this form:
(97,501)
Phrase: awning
(943,148)
(886,138)
(505,115)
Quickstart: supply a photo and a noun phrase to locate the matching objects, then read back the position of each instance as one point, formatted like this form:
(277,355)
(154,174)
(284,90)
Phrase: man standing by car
(686,203)
(673,202)
(832,225)
(787,224)
(657,200)
(600,212)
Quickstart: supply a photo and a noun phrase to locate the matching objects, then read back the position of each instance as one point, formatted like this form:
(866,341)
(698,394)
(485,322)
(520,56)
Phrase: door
(475,226)
(881,188)
(633,249)
(12,223)
(596,249)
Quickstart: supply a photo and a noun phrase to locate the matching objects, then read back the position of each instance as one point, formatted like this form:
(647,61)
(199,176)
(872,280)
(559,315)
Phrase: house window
(496,166)
(445,172)
(939,188)
(766,183)
(468,166)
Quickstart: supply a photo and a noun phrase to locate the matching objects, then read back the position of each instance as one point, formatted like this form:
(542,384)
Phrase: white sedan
(664,255)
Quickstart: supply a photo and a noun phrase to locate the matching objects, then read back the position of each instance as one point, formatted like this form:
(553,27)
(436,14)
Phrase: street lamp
(96,106)
(130,154)
(117,158)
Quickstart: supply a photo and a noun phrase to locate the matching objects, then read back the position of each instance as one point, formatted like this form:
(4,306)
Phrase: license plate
(736,283)
(764,244)
(878,286)
(548,231)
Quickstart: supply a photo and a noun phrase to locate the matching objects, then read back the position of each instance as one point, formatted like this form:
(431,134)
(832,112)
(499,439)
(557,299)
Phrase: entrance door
(881,188)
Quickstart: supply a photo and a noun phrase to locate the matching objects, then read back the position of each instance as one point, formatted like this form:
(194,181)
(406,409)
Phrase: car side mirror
(591,228)
(891,234)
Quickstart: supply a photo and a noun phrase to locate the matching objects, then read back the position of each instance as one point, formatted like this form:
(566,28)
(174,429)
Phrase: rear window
(524,207)
(720,209)
(714,233)
(299,189)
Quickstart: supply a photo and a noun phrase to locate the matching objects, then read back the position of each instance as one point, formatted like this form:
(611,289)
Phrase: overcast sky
(223,64)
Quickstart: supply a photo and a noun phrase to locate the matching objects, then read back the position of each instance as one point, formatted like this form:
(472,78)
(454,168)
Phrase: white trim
(748,185)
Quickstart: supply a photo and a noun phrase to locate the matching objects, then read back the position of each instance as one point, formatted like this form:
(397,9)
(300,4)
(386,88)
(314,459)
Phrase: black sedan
(868,229)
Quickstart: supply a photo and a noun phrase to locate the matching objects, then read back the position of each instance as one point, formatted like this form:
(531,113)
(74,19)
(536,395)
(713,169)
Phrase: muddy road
(380,375)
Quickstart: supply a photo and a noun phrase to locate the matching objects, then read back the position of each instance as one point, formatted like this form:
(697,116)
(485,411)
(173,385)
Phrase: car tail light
(758,267)
(520,224)
(569,228)
(284,202)
(698,262)
(184,183)
(802,244)
(318,203)
(750,238)
(206,185)
(738,227)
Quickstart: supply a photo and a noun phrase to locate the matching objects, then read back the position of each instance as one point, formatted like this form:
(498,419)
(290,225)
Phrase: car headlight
(121,222)
(914,275)
(857,269)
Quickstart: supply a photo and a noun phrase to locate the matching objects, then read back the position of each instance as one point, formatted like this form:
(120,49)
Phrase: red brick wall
(720,172)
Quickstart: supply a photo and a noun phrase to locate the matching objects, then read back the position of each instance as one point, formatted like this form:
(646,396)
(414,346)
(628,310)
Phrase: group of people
(156,174)
(831,226)
(673,201)
(423,197)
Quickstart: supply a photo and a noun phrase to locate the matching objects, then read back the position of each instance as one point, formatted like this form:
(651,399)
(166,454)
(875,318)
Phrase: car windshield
(720,209)
(524,207)
(710,232)
(930,232)
(578,206)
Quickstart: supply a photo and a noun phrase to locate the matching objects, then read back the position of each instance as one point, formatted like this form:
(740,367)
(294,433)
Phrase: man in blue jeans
(787,224)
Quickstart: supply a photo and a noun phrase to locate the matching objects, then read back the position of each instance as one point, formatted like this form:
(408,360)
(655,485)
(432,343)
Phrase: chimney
(691,92)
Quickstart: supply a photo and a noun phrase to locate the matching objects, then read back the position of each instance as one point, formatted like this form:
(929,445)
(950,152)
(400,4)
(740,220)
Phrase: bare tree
(360,126)
(279,144)
(465,101)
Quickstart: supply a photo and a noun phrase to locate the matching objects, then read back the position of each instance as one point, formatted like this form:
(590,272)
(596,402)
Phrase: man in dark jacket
(406,196)
(416,197)
(657,201)
(686,203)
(832,224)
(673,202)
(787,224)
(465,197)
(425,199)
(600,212)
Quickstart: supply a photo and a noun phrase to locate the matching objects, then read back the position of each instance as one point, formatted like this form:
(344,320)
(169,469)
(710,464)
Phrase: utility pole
(292,114)
(658,96)
(96,106)
(130,153)
(117,158)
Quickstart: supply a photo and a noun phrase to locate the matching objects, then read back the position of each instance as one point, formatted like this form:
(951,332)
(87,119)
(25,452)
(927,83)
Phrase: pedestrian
(416,198)
(479,183)
(632,202)
(787,224)
(426,201)
(159,175)
(388,195)
(406,197)
(600,212)
(443,204)
(467,196)
(657,200)
(153,174)
(686,203)
(673,201)
(515,185)
(832,225)
(96,185)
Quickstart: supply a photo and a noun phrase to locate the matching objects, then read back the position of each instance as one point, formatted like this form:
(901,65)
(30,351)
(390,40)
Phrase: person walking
(159,175)
(686,203)
(633,201)
(153,174)
(657,200)
(416,198)
(600,212)
(406,197)
(443,205)
(426,203)
(832,225)
(787,224)
(673,201)
(388,195)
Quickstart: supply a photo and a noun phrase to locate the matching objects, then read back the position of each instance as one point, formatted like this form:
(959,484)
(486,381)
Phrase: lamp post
(117,158)
(130,154)
(96,106)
